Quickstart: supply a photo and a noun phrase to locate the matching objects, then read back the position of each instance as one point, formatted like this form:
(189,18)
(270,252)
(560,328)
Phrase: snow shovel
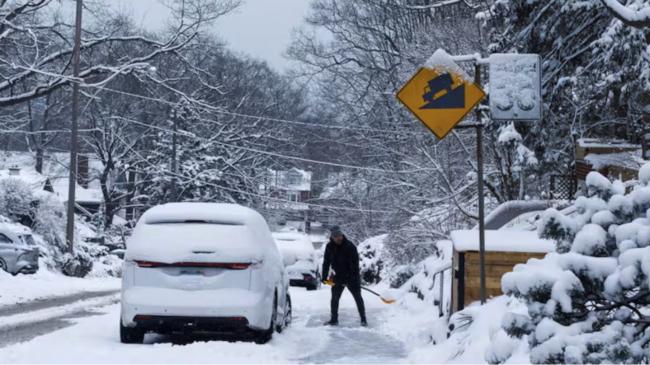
(330,282)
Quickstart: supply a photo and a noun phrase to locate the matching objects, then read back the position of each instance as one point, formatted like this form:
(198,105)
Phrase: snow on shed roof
(505,240)
(629,159)
(602,143)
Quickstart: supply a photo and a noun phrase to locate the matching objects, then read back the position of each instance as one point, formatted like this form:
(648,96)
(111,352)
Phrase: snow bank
(46,284)
(470,338)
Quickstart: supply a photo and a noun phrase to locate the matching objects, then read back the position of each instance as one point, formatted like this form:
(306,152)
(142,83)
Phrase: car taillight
(217,265)
(148,264)
(239,266)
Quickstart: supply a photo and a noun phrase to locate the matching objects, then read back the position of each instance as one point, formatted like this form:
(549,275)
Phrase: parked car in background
(18,250)
(203,267)
(300,259)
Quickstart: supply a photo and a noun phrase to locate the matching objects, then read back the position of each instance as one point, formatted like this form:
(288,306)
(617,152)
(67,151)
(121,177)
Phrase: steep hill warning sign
(440,94)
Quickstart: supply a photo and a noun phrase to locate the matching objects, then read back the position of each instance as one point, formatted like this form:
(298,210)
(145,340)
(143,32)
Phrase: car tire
(130,335)
(3,265)
(288,312)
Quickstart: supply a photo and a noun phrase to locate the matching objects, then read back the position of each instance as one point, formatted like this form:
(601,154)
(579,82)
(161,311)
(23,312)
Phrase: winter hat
(335,231)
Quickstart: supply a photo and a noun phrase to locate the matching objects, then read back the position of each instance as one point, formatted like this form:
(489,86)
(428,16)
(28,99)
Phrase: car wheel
(288,312)
(3,265)
(130,335)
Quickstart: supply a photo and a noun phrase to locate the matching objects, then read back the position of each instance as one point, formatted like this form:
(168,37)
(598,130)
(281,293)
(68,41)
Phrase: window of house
(293,178)
(293,196)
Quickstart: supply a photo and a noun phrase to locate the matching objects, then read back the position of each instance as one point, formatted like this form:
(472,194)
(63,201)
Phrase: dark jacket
(344,260)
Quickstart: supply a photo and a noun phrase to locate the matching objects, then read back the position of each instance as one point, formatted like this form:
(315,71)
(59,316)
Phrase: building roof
(283,180)
(603,143)
(55,168)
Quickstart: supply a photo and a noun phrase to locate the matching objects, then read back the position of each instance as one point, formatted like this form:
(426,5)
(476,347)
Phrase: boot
(364,323)
(332,322)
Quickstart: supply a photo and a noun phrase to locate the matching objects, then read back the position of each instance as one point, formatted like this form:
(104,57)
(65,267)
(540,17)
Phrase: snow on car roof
(289,236)
(14,228)
(207,212)
(504,240)
(168,233)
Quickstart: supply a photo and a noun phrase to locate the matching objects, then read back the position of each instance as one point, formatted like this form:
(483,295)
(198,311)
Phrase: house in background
(55,177)
(615,159)
(288,192)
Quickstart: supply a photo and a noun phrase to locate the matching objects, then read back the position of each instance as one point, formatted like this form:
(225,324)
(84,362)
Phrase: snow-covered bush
(49,220)
(371,263)
(399,275)
(587,302)
(16,199)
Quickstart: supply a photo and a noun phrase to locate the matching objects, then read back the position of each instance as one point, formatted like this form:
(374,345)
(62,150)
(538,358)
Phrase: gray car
(18,251)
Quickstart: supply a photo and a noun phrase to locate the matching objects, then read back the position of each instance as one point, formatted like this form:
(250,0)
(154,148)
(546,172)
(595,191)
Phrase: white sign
(515,87)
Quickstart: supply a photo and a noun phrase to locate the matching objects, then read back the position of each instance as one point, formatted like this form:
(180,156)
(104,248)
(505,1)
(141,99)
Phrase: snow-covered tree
(513,163)
(595,70)
(587,301)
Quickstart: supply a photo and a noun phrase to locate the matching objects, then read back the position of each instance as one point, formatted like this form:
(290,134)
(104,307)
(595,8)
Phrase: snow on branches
(587,301)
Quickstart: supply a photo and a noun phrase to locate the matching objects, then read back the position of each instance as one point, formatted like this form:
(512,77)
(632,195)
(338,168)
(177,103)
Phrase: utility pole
(174,168)
(74,138)
(481,194)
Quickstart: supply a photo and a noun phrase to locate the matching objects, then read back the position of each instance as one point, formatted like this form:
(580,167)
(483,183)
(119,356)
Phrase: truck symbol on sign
(438,94)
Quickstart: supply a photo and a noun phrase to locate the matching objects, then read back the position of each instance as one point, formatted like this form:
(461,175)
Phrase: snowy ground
(86,331)
(46,284)
(95,339)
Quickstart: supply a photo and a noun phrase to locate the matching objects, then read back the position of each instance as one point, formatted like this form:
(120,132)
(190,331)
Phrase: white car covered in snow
(203,267)
(300,259)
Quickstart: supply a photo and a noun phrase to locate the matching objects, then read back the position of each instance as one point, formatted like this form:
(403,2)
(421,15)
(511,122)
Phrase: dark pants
(337,290)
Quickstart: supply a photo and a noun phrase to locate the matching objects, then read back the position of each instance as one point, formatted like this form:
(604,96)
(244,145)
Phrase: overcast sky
(260,28)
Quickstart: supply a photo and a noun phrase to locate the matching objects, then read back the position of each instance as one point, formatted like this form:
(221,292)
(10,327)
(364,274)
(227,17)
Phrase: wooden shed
(503,250)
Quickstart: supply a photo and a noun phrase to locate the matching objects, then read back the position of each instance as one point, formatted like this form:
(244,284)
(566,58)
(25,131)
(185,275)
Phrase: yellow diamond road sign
(440,94)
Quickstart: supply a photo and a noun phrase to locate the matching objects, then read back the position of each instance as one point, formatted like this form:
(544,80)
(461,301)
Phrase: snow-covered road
(95,339)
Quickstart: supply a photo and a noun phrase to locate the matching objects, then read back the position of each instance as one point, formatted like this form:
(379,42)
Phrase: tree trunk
(39,160)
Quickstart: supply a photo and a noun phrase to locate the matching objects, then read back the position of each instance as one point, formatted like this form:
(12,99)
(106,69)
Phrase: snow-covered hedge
(587,302)
(370,256)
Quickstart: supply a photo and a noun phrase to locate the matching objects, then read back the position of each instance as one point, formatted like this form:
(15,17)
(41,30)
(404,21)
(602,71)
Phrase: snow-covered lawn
(47,284)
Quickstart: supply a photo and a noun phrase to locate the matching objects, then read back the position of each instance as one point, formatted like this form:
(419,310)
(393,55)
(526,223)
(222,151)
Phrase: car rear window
(178,240)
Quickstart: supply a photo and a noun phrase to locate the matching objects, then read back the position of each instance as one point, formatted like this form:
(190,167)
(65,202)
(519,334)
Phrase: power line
(266,197)
(274,154)
(216,110)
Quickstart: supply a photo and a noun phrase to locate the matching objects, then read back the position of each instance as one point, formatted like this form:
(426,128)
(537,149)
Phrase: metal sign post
(440,95)
(481,194)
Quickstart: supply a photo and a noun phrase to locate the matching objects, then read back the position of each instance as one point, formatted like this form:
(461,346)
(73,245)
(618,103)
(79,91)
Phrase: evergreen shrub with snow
(588,301)
(371,263)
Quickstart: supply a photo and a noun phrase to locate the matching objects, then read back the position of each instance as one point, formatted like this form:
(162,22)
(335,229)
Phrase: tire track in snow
(24,326)
(58,301)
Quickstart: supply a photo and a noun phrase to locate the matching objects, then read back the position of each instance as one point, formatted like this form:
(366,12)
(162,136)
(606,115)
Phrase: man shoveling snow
(342,256)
